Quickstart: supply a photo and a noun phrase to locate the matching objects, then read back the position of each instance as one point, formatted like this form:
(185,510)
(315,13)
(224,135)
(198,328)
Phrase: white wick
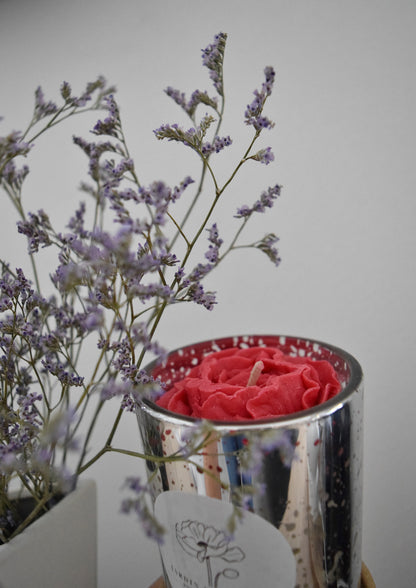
(255,373)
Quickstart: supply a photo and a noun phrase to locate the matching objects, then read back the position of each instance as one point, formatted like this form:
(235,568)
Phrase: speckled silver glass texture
(315,501)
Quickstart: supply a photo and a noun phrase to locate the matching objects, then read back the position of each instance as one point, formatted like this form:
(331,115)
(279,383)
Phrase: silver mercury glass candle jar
(301,496)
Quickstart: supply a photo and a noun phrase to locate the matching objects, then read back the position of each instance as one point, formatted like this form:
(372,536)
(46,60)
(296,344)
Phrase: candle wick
(255,373)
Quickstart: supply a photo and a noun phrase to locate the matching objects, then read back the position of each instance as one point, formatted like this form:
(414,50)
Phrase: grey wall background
(344,141)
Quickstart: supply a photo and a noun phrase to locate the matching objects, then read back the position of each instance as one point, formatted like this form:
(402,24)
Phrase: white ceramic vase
(59,550)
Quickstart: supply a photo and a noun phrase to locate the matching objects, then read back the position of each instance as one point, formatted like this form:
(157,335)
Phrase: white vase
(59,550)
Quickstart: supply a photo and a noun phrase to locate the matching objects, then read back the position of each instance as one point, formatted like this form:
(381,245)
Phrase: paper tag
(198,551)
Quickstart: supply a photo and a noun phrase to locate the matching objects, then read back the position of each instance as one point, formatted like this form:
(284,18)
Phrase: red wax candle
(251,383)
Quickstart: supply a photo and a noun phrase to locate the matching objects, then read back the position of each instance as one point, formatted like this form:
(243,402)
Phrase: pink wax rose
(254,383)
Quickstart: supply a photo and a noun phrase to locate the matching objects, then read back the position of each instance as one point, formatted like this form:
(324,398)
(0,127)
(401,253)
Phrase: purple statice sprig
(25,340)
(92,98)
(197,98)
(268,246)
(94,151)
(37,229)
(266,200)
(12,147)
(265,156)
(140,505)
(254,116)
(111,125)
(94,94)
(135,252)
(254,111)
(213,59)
(43,108)
(34,333)
(194,137)
(46,114)
(215,243)
(190,286)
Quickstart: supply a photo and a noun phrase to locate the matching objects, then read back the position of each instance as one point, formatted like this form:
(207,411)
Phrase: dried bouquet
(123,258)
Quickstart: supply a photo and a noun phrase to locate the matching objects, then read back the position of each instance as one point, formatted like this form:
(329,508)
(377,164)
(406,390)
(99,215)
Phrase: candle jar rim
(353,384)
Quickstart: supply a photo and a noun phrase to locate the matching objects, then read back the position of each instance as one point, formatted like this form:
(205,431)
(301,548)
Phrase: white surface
(46,555)
(344,105)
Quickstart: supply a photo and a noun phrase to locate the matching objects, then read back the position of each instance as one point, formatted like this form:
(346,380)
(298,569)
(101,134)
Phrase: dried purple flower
(36,229)
(42,107)
(213,58)
(267,245)
(253,113)
(216,146)
(197,98)
(194,138)
(64,373)
(111,124)
(263,156)
(197,294)
(266,200)
(139,505)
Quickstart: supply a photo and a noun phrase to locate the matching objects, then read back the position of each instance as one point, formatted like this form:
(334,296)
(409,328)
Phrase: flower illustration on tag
(205,542)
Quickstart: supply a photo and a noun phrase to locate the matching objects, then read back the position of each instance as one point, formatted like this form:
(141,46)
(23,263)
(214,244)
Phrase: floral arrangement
(123,258)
